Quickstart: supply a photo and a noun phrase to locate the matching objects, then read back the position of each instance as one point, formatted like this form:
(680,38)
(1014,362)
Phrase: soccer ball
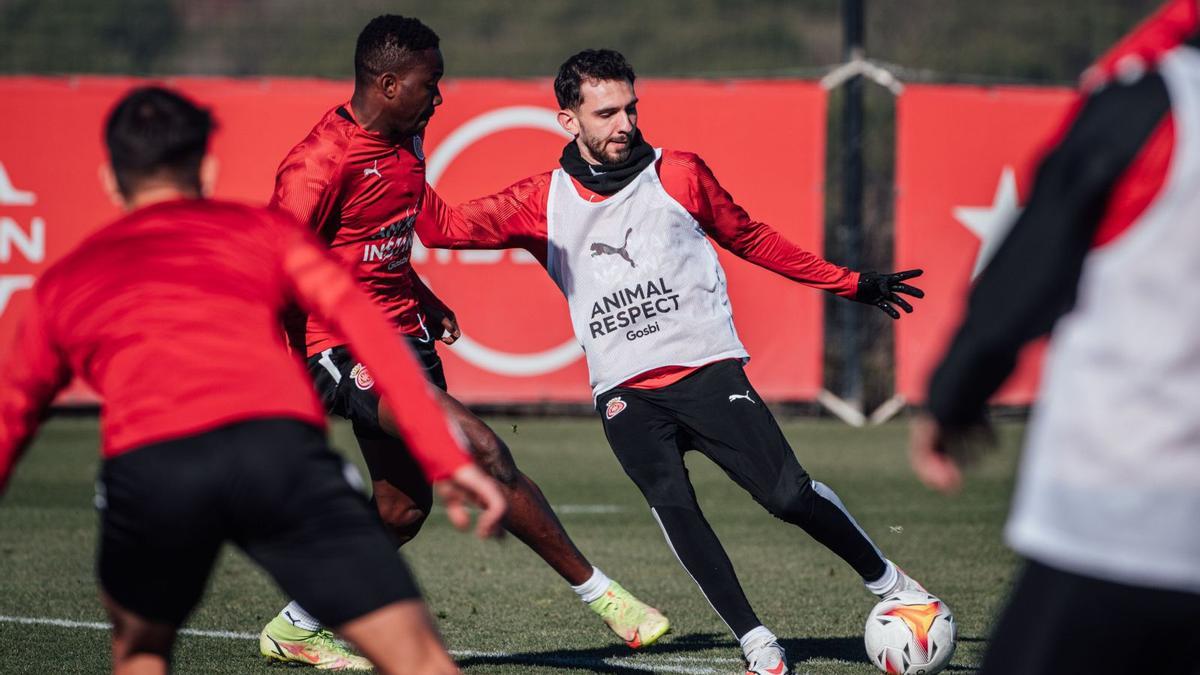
(910,633)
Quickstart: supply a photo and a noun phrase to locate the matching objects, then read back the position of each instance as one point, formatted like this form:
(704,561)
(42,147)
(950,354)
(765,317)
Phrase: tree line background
(1021,40)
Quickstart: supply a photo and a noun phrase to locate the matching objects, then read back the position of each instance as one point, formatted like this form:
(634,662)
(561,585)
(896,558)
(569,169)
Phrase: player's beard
(598,147)
(579,154)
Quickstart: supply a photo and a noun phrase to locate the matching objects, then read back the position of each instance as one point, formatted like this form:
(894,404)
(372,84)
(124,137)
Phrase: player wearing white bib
(1107,505)
(623,229)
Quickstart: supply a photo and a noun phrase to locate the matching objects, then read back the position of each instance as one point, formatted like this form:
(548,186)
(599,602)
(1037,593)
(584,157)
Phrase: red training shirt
(360,193)
(516,218)
(172,314)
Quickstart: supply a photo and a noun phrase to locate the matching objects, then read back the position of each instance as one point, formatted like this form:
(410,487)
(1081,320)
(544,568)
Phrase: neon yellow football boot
(283,642)
(635,622)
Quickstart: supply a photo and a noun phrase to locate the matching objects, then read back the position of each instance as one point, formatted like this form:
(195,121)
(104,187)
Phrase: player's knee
(403,520)
(793,501)
(667,492)
(141,640)
(494,457)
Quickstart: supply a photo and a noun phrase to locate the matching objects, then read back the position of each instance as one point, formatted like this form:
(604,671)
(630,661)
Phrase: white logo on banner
(31,245)
(475,129)
(992,223)
(11,196)
(11,283)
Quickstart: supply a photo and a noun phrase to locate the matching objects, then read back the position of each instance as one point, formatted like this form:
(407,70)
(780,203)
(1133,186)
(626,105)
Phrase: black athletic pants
(1059,622)
(716,411)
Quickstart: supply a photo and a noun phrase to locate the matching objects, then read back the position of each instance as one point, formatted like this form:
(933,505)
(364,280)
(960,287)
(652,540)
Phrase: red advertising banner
(517,344)
(964,167)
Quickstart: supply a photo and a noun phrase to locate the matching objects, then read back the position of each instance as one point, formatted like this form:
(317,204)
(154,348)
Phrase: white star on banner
(992,223)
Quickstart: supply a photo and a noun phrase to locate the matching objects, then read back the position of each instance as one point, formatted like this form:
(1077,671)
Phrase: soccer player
(623,228)
(358,180)
(198,449)
(1107,505)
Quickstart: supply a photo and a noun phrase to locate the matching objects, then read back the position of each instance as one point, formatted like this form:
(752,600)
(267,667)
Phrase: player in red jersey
(358,180)
(198,449)
(623,229)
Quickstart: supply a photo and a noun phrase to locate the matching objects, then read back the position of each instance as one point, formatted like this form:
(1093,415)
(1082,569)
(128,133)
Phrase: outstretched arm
(689,180)
(32,374)
(512,218)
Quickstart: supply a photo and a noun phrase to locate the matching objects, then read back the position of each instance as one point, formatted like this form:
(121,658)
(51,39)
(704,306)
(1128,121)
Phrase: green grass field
(503,611)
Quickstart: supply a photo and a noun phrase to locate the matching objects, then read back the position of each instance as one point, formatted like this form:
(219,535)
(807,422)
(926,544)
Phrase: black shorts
(714,410)
(271,486)
(1059,622)
(346,387)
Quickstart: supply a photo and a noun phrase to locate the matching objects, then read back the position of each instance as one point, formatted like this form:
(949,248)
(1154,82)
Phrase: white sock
(756,638)
(884,583)
(300,618)
(593,588)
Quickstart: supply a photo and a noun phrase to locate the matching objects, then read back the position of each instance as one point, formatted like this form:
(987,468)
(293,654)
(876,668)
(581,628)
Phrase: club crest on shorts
(614,408)
(362,378)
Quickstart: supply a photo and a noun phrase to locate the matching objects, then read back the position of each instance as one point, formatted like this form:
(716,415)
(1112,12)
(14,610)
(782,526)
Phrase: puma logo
(734,397)
(600,248)
(374,170)
(278,649)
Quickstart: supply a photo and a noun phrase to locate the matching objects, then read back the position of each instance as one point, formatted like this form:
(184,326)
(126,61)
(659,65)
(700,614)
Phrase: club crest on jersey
(614,407)
(419,148)
(362,378)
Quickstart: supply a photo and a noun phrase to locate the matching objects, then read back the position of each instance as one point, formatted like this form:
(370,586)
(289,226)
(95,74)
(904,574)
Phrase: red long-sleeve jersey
(516,218)
(172,314)
(360,193)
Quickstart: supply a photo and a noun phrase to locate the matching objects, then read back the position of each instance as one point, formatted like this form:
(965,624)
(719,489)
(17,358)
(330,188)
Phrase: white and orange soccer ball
(910,633)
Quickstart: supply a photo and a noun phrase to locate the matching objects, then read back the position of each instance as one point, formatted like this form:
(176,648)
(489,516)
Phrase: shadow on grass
(675,655)
(678,655)
(800,650)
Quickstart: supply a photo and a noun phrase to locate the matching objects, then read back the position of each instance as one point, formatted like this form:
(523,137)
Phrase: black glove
(881,289)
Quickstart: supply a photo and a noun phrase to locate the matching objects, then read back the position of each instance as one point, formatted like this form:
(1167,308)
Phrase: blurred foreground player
(623,228)
(358,180)
(1107,506)
(210,433)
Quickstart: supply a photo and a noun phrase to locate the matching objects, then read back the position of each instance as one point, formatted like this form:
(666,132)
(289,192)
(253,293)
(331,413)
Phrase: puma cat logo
(734,397)
(600,248)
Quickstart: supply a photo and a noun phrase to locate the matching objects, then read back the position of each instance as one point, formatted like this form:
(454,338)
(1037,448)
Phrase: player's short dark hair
(387,44)
(154,131)
(589,65)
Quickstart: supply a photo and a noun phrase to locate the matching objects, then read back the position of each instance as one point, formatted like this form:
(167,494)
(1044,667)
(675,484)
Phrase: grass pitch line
(666,664)
(100,625)
(624,663)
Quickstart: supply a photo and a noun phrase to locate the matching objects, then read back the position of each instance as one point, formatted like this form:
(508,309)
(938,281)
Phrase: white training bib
(1110,479)
(642,281)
